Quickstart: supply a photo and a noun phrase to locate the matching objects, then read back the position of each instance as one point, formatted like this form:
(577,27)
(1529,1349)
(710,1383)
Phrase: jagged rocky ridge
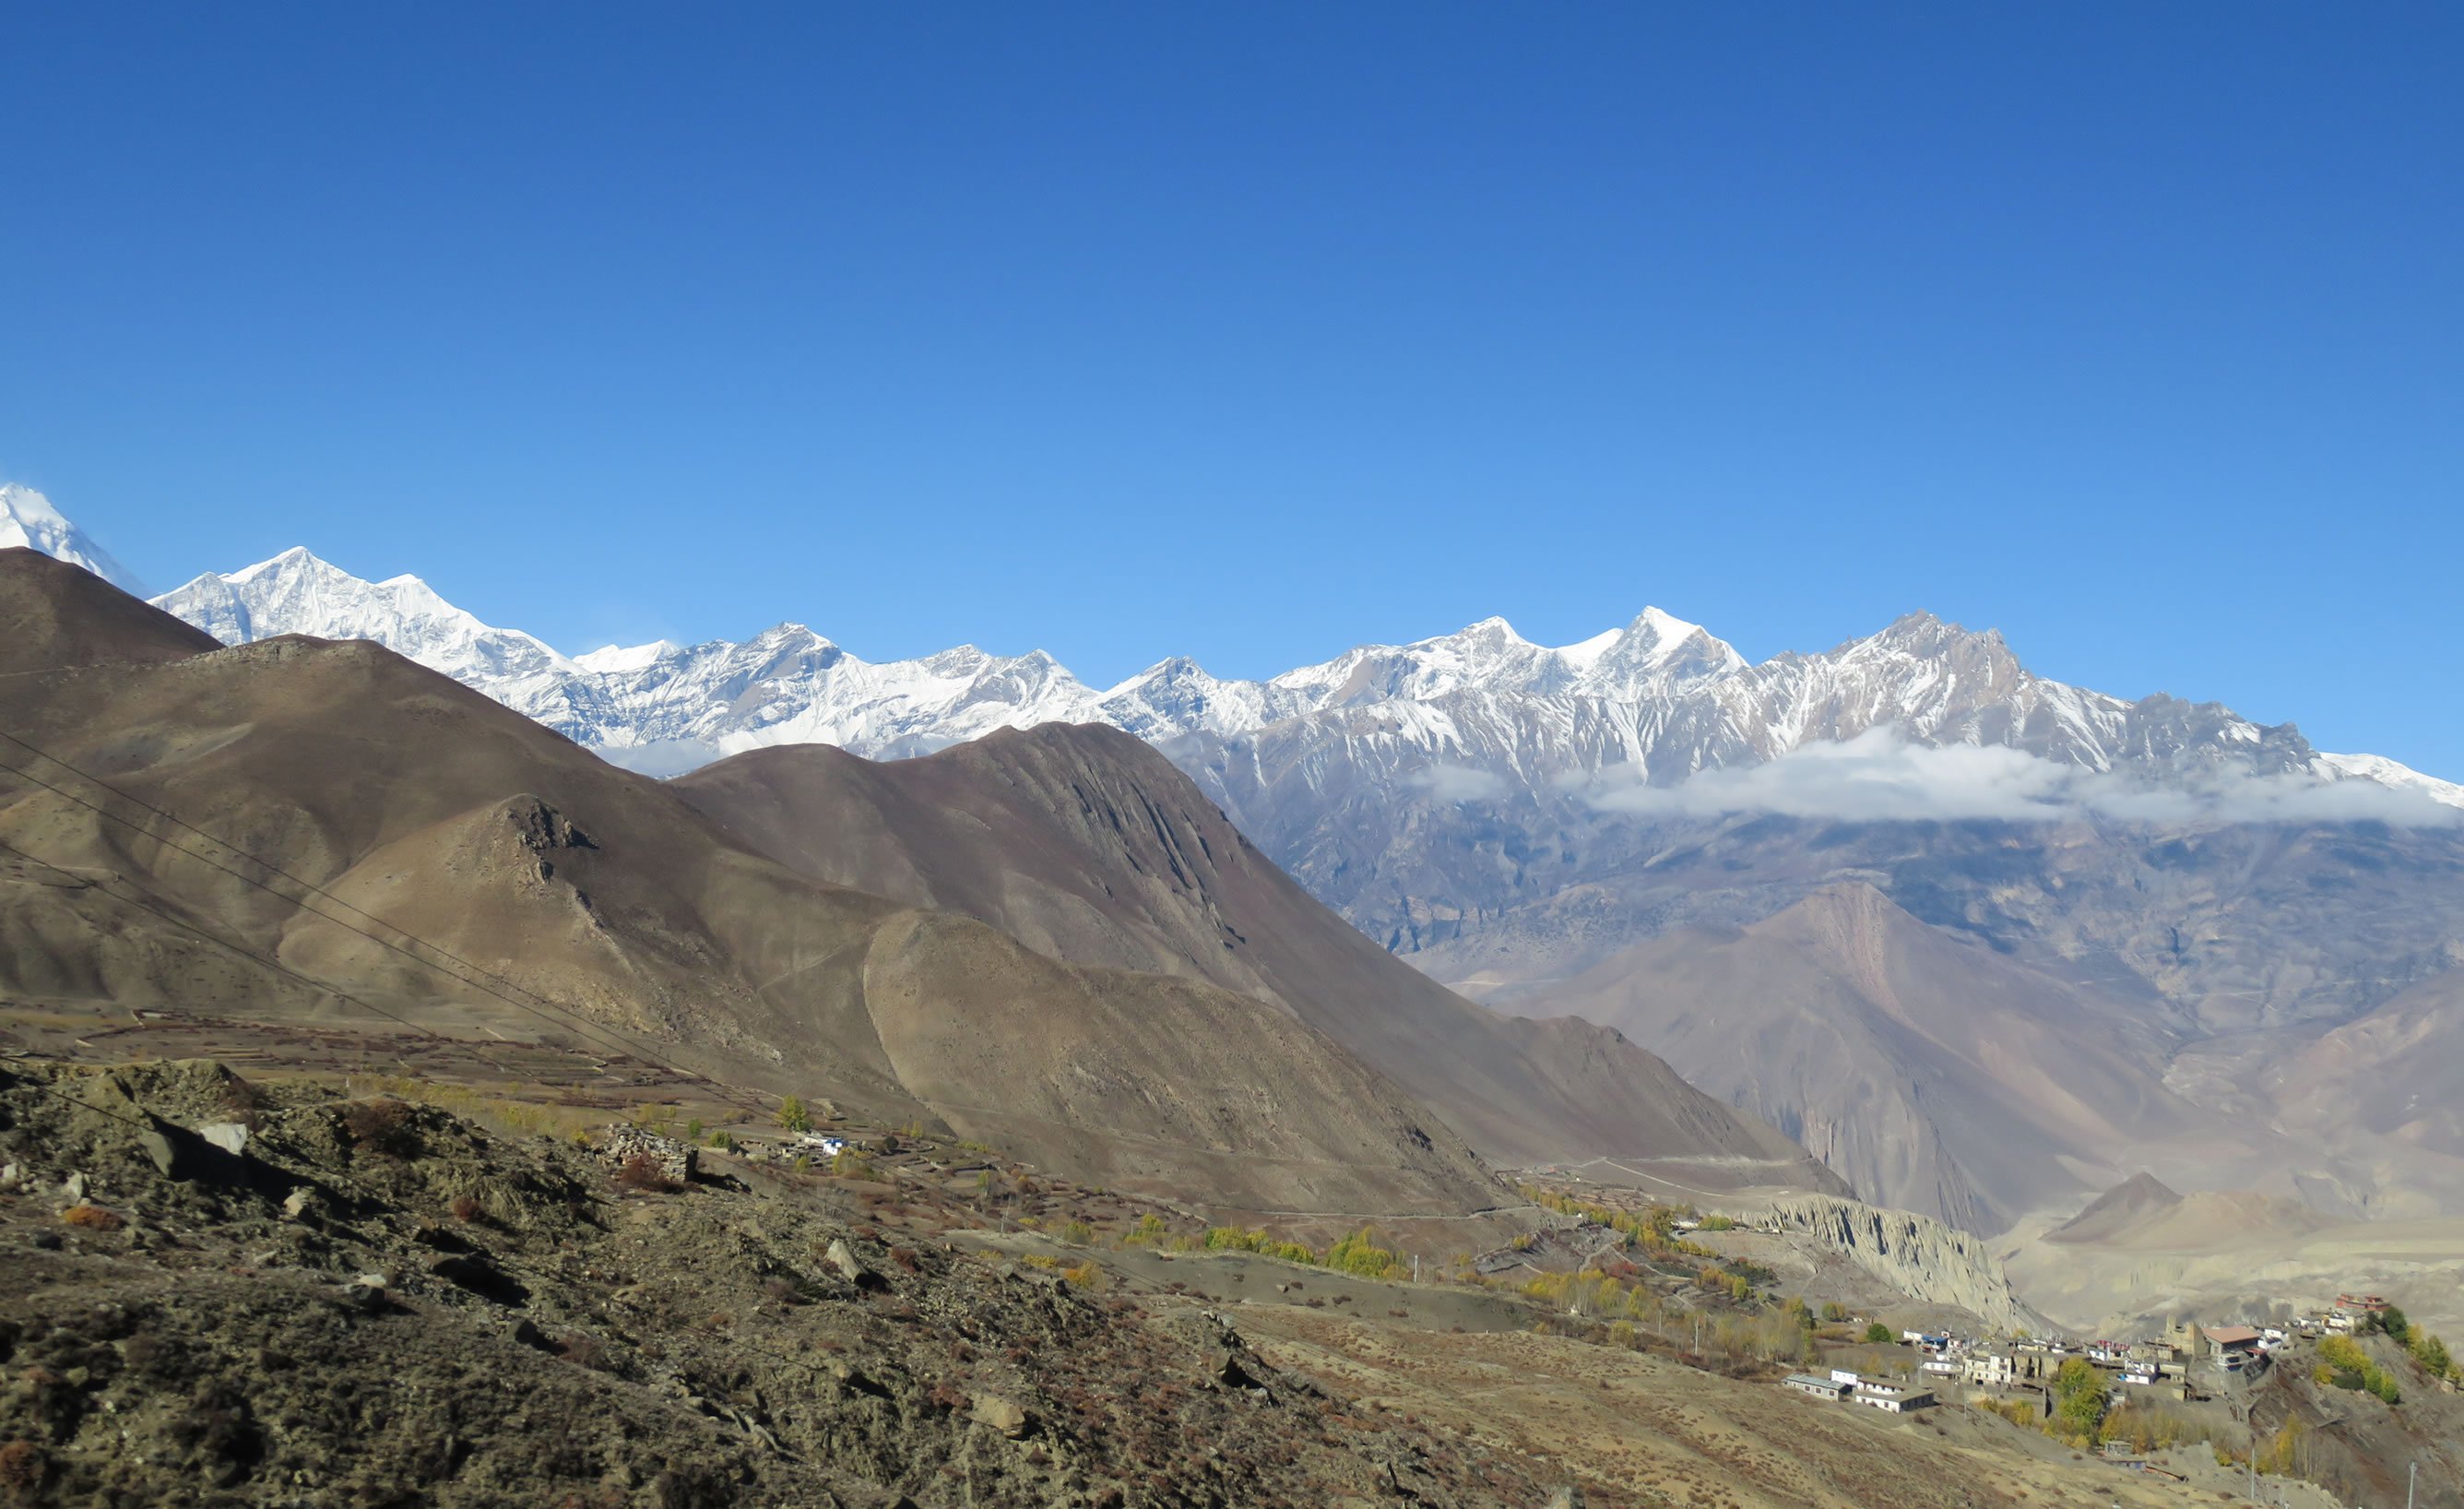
(1916,1254)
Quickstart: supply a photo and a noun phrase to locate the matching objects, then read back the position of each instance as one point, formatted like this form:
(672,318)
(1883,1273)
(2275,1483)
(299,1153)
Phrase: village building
(1992,1368)
(1896,1400)
(1819,1388)
(2189,1340)
(2233,1346)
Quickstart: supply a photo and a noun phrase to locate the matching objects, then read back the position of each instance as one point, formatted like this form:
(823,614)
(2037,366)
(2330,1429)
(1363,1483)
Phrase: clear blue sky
(2137,331)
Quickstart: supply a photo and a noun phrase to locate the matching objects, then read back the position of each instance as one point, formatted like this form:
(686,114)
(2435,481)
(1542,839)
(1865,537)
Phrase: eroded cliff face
(1916,1254)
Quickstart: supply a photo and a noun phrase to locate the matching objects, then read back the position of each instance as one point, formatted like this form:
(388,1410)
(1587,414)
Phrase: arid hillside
(325,830)
(1087,844)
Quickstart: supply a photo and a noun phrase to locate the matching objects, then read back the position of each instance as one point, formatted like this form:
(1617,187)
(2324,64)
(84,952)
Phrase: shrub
(1359,1254)
(721,1140)
(2344,1364)
(642,1172)
(383,1126)
(465,1208)
(848,1163)
(23,1467)
(1078,1234)
(1833,1311)
(1084,1275)
(1879,1334)
(793,1117)
(92,1218)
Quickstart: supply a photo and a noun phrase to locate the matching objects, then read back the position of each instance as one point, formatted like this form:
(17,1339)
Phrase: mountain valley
(2193,900)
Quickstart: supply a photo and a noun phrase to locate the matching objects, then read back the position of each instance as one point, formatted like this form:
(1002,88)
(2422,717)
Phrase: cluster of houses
(1845,1387)
(2168,1362)
(1951,1360)
(2346,1317)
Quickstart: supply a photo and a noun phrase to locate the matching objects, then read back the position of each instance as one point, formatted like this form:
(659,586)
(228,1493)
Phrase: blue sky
(2136,331)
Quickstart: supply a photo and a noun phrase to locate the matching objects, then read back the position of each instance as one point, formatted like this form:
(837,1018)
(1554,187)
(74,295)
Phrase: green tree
(1878,1332)
(793,1117)
(2078,1400)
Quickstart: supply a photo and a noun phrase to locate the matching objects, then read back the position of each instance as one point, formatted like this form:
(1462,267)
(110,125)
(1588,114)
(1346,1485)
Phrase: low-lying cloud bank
(1458,783)
(1880,776)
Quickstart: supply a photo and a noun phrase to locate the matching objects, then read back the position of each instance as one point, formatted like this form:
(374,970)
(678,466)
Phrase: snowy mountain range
(1517,819)
(1652,703)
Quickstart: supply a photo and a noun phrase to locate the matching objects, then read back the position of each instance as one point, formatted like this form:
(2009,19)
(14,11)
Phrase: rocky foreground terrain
(293,1291)
(377,1303)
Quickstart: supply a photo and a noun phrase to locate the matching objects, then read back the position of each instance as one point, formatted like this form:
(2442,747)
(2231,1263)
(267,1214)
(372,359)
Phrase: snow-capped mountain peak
(1660,697)
(610,659)
(298,593)
(28,519)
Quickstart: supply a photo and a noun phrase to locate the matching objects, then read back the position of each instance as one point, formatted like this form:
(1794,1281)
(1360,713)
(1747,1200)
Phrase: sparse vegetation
(385,1127)
(2345,1365)
(642,1174)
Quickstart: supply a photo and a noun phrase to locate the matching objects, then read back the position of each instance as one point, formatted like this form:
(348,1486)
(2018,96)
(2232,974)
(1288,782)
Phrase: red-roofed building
(2233,1344)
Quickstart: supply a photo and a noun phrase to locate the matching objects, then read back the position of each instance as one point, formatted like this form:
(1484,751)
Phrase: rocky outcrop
(1916,1254)
(675,1160)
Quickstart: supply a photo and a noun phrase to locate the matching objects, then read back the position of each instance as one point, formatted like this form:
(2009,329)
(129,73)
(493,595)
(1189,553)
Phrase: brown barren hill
(2134,1202)
(1936,1075)
(413,819)
(1089,846)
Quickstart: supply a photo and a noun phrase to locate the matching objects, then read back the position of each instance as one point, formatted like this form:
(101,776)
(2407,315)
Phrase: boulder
(1005,1415)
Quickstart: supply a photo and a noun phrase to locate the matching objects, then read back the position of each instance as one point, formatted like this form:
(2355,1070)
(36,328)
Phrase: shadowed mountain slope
(1087,844)
(1935,1075)
(401,795)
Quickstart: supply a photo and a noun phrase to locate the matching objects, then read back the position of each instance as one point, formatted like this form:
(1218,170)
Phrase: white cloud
(1458,783)
(1880,776)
